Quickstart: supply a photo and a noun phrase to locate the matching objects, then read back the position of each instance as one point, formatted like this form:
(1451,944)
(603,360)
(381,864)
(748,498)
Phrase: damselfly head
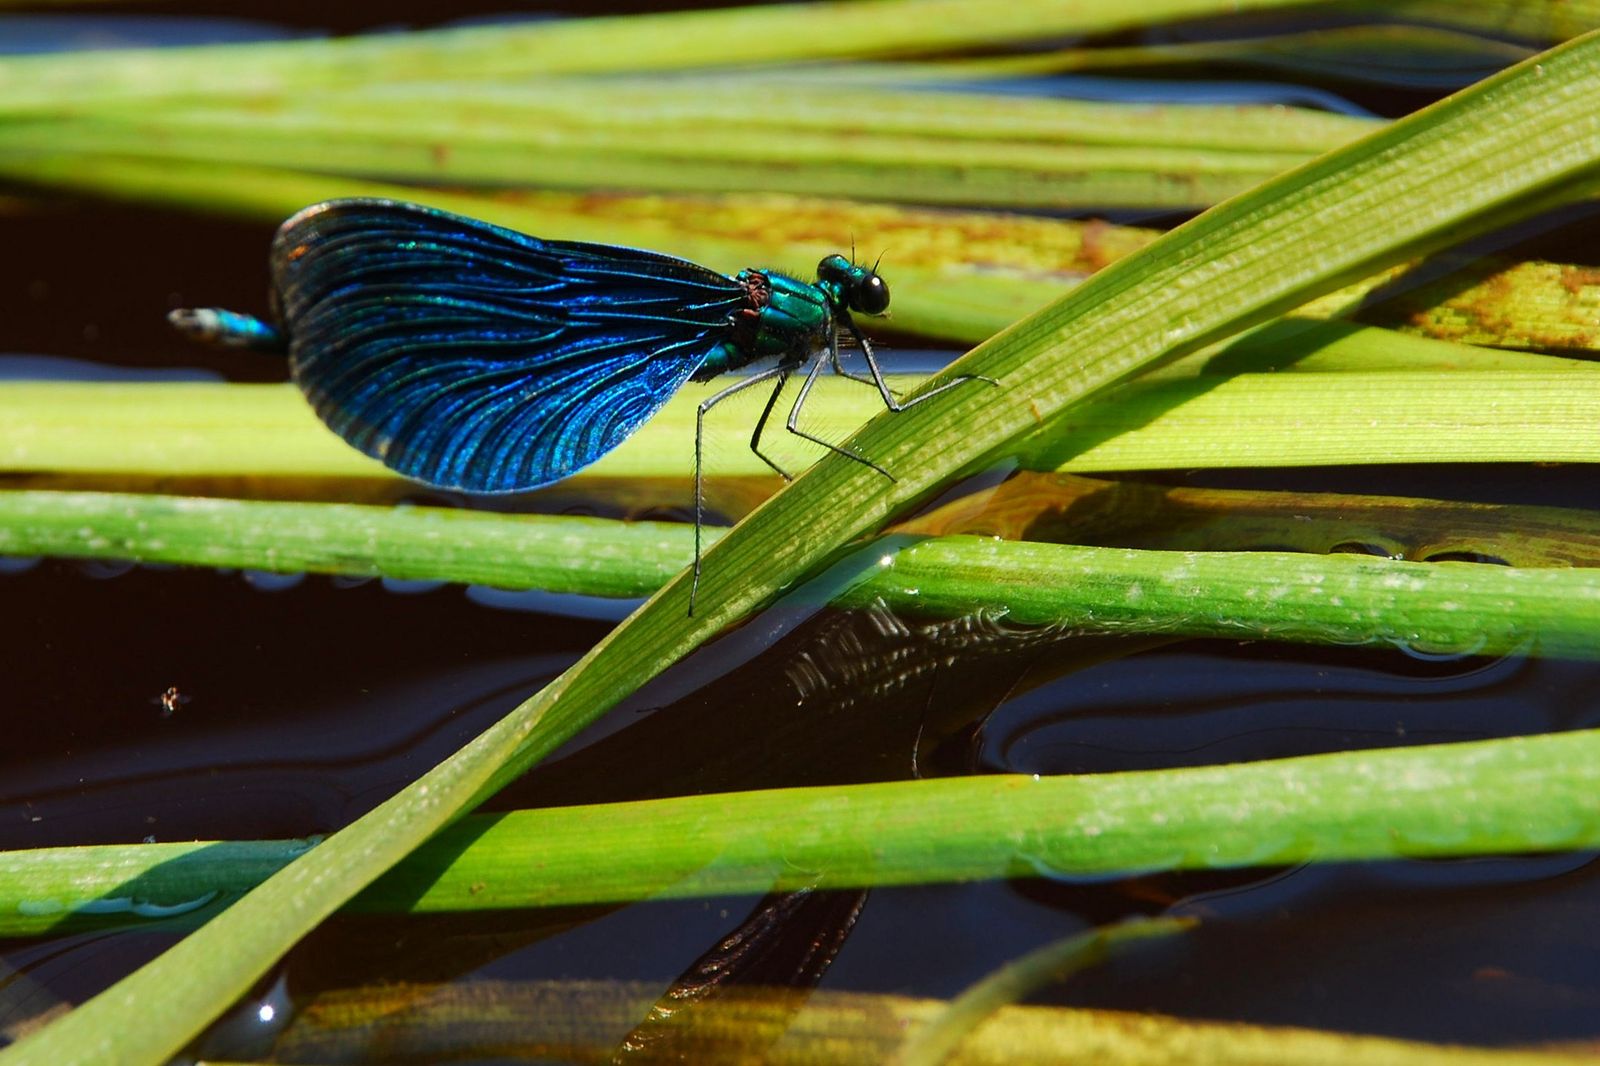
(860,288)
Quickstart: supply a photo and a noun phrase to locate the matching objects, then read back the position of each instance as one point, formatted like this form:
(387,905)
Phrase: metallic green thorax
(790,320)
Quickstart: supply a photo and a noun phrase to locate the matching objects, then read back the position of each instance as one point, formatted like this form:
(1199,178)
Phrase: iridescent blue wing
(474,357)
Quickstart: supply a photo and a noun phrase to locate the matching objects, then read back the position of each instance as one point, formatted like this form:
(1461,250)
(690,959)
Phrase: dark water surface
(304,702)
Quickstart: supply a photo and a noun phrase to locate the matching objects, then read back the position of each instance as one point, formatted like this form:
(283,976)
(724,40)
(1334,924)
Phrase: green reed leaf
(1520,795)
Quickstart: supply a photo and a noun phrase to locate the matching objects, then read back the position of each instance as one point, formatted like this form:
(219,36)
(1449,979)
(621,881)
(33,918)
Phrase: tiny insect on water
(169,701)
(473,357)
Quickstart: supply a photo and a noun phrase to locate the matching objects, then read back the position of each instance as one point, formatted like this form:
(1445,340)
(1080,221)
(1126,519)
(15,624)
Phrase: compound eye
(871,295)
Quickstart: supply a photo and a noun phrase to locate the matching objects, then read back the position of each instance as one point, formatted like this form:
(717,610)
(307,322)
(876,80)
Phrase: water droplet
(268,581)
(104,569)
(411,586)
(1466,557)
(1357,547)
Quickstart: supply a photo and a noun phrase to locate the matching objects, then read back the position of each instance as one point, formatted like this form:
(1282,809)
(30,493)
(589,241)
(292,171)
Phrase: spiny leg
(799,402)
(699,471)
(889,400)
(838,366)
(761,424)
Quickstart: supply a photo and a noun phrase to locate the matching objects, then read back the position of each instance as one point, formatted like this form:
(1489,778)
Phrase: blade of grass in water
(1493,153)
(1341,599)
(1255,419)
(922,170)
(1430,608)
(640,108)
(1507,796)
